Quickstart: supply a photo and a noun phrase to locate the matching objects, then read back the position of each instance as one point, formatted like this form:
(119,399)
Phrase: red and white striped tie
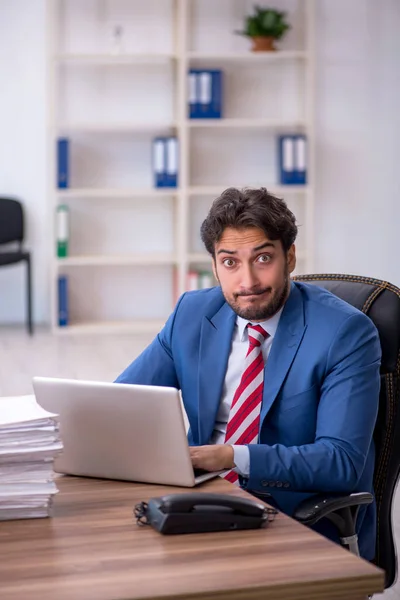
(244,415)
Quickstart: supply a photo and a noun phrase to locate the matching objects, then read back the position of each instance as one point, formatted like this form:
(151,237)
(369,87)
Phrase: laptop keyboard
(199,472)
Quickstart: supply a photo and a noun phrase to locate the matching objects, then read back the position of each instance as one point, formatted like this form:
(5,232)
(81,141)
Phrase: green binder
(62,230)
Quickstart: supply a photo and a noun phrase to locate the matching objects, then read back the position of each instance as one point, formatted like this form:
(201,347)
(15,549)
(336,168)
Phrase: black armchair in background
(379,300)
(12,232)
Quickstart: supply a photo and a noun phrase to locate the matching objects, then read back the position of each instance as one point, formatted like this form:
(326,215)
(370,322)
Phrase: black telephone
(198,512)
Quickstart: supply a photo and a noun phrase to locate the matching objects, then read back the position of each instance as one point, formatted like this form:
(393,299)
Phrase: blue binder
(300,172)
(62,300)
(159,162)
(216,95)
(62,163)
(205,94)
(286,159)
(193,94)
(172,162)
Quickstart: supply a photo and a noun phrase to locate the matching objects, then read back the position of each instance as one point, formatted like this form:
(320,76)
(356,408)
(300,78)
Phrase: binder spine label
(286,160)
(301,160)
(172,162)
(159,162)
(205,94)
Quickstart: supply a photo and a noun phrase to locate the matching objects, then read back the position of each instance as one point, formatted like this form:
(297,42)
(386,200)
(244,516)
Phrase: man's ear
(291,258)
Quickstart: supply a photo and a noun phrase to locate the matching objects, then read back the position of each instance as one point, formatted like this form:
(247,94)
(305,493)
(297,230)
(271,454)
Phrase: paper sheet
(22,409)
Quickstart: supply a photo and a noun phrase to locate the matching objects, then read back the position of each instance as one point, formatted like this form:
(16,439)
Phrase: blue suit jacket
(320,400)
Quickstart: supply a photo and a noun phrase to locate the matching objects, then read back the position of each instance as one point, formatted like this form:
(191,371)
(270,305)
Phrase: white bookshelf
(132,245)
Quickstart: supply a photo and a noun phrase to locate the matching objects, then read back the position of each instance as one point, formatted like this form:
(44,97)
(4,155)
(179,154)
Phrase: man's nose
(249,279)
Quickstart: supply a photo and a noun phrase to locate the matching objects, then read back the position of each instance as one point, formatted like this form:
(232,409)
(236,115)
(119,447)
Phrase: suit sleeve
(155,365)
(346,418)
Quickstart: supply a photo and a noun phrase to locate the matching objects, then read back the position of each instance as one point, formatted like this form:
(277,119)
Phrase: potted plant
(264,27)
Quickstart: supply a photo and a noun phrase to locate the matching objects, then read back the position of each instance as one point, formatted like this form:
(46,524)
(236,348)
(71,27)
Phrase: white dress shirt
(240,344)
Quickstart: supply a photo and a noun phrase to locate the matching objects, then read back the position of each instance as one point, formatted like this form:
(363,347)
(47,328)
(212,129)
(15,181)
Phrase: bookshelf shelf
(120,128)
(247,57)
(282,190)
(107,60)
(138,260)
(133,246)
(199,257)
(275,124)
(111,327)
(114,193)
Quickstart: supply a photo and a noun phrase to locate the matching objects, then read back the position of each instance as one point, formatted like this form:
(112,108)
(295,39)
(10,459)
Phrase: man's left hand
(215,457)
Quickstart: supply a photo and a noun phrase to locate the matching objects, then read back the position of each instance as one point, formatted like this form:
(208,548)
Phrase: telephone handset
(198,512)
(218,502)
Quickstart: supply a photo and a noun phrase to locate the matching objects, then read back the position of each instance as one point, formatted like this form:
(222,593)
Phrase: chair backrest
(379,300)
(11,221)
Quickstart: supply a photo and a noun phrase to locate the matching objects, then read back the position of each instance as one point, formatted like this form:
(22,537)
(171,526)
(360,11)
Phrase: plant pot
(263,44)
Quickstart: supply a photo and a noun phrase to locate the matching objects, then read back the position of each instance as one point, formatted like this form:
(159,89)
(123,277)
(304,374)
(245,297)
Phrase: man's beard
(265,310)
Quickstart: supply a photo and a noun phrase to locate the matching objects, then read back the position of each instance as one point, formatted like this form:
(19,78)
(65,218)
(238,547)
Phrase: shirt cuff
(241,458)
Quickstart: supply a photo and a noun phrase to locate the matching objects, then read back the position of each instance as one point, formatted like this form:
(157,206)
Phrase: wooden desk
(93,549)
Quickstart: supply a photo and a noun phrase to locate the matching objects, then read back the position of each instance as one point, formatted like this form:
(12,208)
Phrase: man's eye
(264,258)
(228,262)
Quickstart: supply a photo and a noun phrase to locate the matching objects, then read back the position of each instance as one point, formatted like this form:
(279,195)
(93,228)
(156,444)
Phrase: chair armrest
(313,509)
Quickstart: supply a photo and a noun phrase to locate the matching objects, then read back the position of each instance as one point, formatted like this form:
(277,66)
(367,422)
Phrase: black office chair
(12,231)
(379,300)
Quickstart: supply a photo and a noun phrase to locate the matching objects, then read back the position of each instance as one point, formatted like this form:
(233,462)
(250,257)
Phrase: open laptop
(120,431)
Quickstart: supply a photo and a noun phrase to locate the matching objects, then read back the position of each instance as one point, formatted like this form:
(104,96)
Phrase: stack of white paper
(29,442)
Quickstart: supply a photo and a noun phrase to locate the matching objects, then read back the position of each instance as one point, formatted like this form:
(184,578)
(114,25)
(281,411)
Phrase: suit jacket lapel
(215,345)
(287,339)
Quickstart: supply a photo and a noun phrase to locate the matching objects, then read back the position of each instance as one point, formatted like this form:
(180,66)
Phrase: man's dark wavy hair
(245,208)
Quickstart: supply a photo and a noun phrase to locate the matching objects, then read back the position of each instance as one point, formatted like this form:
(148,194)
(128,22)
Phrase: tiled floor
(97,358)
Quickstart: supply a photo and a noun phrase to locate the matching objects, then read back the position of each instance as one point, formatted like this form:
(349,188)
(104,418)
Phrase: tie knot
(256,334)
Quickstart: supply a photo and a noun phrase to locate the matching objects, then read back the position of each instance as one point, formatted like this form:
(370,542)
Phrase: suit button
(272,484)
(264,483)
(286,484)
(279,484)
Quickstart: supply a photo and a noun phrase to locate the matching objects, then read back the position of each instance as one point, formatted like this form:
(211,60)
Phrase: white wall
(23,147)
(358,137)
(358,133)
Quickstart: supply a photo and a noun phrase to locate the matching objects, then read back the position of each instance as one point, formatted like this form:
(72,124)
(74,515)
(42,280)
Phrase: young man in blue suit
(320,384)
